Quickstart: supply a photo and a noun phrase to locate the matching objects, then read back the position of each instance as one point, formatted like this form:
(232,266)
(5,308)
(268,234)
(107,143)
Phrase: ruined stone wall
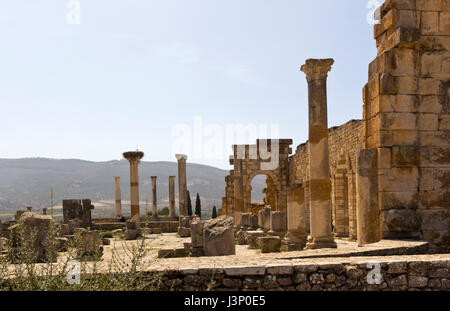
(407,120)
(395,275)
(343,142)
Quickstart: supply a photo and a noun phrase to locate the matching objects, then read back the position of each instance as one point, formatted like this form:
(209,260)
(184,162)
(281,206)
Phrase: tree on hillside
(198,206)
(214,212)
(189,204)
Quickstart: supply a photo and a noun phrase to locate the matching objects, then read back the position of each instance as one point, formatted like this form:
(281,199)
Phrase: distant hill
(28,182)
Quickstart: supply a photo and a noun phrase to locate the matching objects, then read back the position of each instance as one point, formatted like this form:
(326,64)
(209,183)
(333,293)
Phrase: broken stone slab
(251,238)
(131,224)
(218,237)
(184,232)
(241,237)
(106,241)
(269,244)
(130,234)
(88,244)
(35,230)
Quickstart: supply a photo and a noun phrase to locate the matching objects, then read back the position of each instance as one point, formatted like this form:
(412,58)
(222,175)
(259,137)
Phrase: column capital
(153,177)
(171,177)
(133,155)
(317,69)
(117,178)
(181,157)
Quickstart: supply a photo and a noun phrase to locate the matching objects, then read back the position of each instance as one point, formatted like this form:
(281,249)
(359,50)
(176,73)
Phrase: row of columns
(134,158)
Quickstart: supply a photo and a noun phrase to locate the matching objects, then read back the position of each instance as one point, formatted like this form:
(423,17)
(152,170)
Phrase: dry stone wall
(394,276)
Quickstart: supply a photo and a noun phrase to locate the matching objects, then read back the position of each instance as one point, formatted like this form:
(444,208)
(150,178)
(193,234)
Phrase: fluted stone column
(154,198)
(172,196)
(134,158)
(118,197)
(316,71)
(182,184)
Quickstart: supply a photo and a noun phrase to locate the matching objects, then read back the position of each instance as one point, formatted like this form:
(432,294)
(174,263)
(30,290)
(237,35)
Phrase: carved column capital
(317,69)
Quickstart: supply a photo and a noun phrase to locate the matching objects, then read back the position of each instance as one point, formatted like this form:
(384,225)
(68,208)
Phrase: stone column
(367,211)
(182,185)
(295,238)
(154,198)
(316,71)
(118,197)
(172,196)
(134,158)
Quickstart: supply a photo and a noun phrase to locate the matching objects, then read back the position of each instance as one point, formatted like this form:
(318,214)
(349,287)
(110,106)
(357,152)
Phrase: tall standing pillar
(171,196)
(182,184)
(154,198)
(118,197)
(134,158)
(316,71)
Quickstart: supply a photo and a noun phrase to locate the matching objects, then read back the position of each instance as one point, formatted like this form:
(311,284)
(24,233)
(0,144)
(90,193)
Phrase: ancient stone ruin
(385,176)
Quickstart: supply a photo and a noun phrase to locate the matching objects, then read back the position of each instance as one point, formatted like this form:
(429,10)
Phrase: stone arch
(251,160)
(273,186)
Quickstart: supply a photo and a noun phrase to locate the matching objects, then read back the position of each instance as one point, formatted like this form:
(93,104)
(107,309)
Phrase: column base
(294,241)
(320,242)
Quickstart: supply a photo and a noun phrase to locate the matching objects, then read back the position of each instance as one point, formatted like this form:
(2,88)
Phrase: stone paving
(347,250)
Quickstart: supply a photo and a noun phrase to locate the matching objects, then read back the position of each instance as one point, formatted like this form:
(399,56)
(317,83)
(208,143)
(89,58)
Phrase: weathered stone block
(251,238)
(197,234)
(35,234)
(400,223)
(430,104)
(417,281)
(88,244)
(430,22)
(218,237)
(395,200)
(269,244)
(264,218)
(405,156)
(278,222)
(428,122)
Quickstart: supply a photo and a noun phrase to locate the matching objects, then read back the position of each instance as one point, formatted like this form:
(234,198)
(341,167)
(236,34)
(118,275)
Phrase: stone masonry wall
(406,119)
(395,275)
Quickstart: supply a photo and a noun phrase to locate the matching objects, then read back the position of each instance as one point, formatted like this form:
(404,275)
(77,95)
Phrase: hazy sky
(133,72)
